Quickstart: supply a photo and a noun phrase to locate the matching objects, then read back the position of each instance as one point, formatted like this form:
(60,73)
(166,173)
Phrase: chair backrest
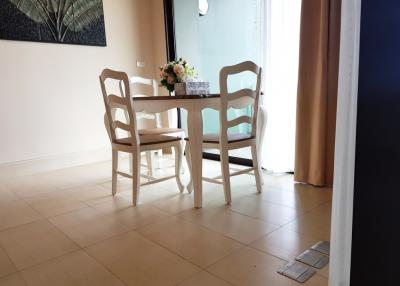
(145,81)
(239,99)
(137,80)
(123,102)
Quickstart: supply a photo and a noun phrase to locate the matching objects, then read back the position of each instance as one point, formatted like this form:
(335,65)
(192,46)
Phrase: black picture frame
(77,22)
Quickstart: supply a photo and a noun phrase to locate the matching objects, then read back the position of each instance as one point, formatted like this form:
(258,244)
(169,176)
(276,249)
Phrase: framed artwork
(78,22)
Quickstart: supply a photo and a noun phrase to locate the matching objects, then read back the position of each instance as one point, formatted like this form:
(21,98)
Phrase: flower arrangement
(176,72)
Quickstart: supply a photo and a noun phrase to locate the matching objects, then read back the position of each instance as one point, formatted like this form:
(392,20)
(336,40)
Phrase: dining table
(194,105)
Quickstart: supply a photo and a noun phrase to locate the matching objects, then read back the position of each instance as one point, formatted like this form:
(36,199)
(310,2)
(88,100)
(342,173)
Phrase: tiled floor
(65,228)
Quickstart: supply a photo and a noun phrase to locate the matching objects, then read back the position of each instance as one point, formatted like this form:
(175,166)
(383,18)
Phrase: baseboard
(55,162)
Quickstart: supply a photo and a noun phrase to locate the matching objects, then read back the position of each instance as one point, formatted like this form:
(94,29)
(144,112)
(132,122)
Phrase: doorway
(345,140)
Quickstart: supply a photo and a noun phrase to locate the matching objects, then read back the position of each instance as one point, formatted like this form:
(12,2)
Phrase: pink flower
(171,80)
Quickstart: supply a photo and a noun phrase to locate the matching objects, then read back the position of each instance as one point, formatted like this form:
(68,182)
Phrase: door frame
(343,186)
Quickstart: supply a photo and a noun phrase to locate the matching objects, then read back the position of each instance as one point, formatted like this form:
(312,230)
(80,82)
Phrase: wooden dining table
(193,104)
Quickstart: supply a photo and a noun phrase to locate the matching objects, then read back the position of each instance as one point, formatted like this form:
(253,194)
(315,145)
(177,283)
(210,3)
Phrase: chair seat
(159,131)
(232,137)
(149,140)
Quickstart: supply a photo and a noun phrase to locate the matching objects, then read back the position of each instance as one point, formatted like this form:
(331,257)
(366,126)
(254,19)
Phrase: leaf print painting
(55,21)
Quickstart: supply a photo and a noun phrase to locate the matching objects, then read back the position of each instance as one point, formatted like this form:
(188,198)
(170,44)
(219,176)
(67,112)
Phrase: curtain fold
(317,91)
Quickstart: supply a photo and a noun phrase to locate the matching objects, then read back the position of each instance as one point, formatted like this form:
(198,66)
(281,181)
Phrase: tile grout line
(232,238)
(91,244)
(9,258)
(157,244)
(105,267)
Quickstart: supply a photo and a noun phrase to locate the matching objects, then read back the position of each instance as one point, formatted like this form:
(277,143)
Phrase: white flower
(179,70)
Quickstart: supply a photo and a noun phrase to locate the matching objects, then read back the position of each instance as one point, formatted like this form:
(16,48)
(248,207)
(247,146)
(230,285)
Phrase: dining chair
(135,143)
(137,81)
(225,140)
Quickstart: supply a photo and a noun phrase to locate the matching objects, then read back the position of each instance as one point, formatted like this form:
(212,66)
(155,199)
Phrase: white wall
(51,102)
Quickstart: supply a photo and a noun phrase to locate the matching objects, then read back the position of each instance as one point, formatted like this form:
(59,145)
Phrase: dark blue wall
(376,226)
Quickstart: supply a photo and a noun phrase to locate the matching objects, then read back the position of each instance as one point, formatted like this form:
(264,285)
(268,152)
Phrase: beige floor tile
(12,280)
(63,179)
(304,201)
(316,223)
(80,206)
(204,279)
(54,203)
(174,204)
(321,192)
(285,244)
(155,192)
(87,226)
(280,180)
(34,243)
(97,173)
(6,195)
(122,211)
(251,268)
(14,213)
(316,280)
(234,225)
(324,272)
(76,268)
(138,261)
(285,182)
(213,194)
(194,242)
(255,207)
(105,199)
(90,193)
(29,186)
(123,185)
(6,266)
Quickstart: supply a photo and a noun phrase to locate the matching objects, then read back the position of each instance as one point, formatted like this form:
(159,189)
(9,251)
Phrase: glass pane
(228,33)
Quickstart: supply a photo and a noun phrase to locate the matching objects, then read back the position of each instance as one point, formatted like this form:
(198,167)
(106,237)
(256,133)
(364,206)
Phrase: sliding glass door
(213,34)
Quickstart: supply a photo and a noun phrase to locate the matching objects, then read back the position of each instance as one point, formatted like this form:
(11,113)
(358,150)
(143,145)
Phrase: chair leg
(178,166)
(150,162)
(135,177)
(189,163)
(225,174)
(157,159)
(256,165)
(114,171)
(183,144)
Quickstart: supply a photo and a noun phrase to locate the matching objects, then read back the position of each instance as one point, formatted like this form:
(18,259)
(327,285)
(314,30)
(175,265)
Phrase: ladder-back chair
(225,141)
(135,143)
(156,117)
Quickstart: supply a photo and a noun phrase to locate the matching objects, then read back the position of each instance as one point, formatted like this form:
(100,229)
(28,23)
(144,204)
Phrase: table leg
(195,130)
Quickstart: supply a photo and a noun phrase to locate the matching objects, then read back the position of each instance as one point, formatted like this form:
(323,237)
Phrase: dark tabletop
(175,97)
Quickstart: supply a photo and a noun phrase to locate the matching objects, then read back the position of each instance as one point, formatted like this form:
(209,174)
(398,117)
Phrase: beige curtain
(317,91)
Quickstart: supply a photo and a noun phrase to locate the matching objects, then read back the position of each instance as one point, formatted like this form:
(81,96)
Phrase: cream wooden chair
(225,141)
(156,117)
(135,143)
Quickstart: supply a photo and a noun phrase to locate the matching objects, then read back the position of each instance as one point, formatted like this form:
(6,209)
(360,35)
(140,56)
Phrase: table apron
(155,106)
